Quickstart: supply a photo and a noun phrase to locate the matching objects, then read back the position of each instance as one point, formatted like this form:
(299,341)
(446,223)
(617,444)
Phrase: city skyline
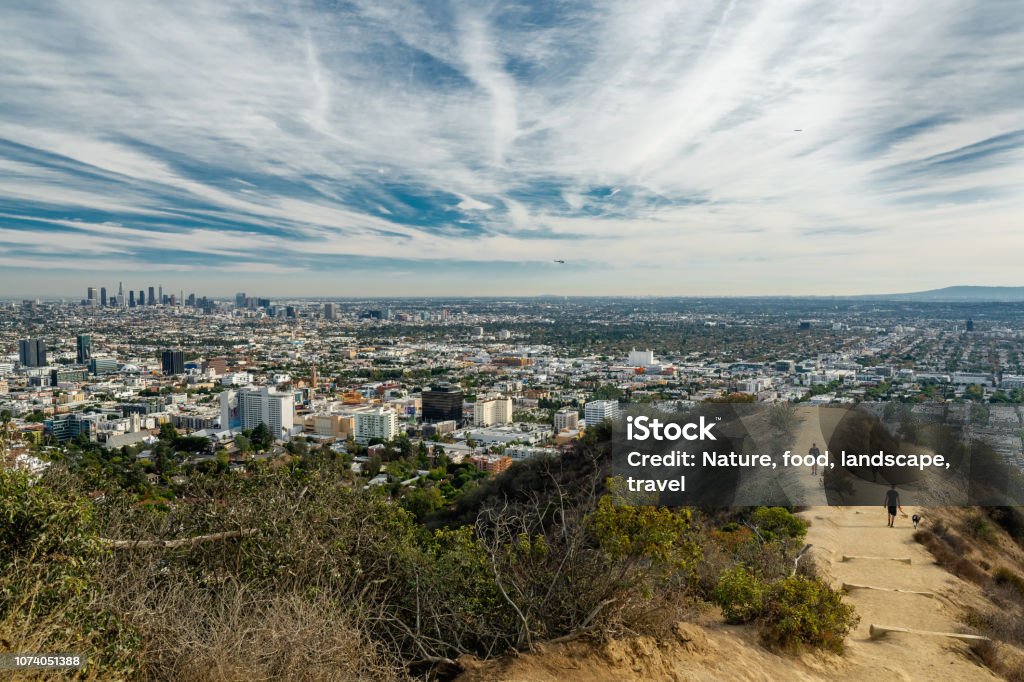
(398,148)
(179,297)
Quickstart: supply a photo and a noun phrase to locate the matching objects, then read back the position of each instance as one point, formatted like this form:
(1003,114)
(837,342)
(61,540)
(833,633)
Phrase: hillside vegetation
(291,572)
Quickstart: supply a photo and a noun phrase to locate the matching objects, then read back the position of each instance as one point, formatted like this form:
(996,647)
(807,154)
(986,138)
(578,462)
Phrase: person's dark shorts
(892,511)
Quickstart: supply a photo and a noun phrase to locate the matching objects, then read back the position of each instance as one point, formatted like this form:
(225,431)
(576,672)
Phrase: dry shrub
(1013,581)
(1002,659)
(949,558)
(970,571)
(1002,619)
(239,634)
(1006,628)
(715,562)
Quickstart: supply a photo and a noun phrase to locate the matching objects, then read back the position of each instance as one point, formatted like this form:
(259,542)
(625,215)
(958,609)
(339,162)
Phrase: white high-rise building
(250,407)
(377,423)
(597,411)
(641,358)
(494,410)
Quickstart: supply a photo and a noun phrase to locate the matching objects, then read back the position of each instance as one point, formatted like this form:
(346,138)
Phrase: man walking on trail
(814,452)
(892,503)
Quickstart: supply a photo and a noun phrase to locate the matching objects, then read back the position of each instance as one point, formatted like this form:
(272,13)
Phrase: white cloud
(471,204)
(659,131)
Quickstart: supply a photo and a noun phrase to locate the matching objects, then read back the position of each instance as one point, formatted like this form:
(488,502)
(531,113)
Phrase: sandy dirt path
(838,532)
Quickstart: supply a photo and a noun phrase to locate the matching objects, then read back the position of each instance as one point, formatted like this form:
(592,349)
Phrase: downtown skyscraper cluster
(149,296)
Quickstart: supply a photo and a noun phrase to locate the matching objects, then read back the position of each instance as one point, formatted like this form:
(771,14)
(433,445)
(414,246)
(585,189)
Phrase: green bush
(740,593)
(644,532)
(778,522)
(979,527)
(792,612)
(803,611)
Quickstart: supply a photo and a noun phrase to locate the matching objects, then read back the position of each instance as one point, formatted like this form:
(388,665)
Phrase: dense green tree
(168,433)
(243,444)
(974,392)
(423,501)
(297,447)
(194,444)
(262,439)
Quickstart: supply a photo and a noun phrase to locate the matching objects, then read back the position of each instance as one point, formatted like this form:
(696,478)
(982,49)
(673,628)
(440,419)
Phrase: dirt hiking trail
(891,580)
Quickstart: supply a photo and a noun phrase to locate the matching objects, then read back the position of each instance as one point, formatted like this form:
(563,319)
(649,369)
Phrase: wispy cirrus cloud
(840,146)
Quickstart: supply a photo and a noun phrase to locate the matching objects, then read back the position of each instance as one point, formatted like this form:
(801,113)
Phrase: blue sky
(353,148)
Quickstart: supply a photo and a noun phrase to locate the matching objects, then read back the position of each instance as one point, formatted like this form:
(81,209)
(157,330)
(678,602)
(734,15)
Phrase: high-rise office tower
(32,352)
(172,362)
(103,296)
(330,311)
(152,296)
(84,348)
(103,366)
(120,291)
(141,300)
(442,402)
(91,295)
(131,298)
(160,295)
(240,299)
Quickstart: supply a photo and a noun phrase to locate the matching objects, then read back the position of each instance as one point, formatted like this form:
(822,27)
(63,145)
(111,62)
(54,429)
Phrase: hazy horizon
(380,148)
(71,297)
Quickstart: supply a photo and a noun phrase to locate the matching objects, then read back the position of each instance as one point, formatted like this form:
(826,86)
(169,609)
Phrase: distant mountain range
(959,294)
